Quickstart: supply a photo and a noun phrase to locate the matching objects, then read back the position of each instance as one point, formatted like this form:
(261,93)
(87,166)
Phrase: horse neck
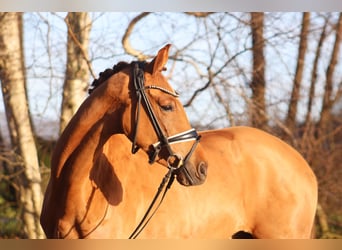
(96,109)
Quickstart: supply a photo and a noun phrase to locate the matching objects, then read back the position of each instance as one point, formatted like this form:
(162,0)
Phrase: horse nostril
(202,169)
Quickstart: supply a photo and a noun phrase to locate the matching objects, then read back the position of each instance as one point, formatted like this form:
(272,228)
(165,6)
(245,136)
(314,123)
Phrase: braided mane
(106,74)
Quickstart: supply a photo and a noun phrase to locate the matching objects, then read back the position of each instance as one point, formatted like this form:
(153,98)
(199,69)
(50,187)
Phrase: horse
(237,182)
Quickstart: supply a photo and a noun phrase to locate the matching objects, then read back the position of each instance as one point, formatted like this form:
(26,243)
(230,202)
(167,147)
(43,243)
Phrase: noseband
(164,142)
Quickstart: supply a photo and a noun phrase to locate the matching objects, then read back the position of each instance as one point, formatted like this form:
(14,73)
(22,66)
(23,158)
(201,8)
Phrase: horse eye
(168,107)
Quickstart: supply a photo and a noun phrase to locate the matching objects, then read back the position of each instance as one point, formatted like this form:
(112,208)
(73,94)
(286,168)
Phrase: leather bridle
(164,142)
(175,162)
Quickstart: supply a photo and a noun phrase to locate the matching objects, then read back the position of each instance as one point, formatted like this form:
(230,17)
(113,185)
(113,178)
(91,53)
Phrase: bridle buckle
(174,161)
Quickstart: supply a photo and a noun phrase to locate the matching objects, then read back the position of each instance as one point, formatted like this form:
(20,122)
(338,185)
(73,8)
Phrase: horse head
(154,119)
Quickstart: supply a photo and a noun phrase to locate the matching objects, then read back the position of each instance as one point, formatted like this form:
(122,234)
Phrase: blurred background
(281,72)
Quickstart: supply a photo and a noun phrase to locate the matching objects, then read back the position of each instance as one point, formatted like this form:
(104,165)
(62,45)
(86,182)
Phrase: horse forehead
(157,79)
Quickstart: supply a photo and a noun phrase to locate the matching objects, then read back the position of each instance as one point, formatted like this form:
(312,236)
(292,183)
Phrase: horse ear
(158,63)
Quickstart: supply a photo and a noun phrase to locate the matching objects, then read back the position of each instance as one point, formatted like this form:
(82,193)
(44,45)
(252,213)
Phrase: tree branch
(198,91)
(199,14)
(125,39)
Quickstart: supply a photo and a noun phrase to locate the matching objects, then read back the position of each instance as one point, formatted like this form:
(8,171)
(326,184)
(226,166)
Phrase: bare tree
(328,98)
(292,110)
(258,83)
(78,65)
(314,72)
(13,84)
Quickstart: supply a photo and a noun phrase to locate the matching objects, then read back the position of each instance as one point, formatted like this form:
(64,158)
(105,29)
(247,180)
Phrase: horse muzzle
(190,175)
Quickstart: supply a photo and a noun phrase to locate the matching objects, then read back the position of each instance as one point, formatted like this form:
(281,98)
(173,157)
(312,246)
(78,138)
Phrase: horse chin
(184,180)
(186,176)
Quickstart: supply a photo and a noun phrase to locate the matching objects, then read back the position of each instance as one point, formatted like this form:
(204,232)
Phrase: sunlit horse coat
(255,183)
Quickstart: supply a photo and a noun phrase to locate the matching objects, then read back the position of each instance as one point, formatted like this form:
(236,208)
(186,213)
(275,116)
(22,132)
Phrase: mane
(106,74)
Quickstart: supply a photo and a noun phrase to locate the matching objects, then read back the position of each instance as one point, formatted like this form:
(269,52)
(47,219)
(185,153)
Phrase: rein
(170,176)
(174,162)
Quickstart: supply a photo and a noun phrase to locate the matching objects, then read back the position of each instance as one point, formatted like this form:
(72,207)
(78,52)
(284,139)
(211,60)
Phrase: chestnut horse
(256,185)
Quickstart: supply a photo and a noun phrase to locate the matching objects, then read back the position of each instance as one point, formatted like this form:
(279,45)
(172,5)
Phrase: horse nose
(202,170)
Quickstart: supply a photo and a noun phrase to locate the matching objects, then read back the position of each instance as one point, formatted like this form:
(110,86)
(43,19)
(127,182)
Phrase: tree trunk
(77,68)
(314,73)
(328,99)
(292,111)
(258,107)
(12,75)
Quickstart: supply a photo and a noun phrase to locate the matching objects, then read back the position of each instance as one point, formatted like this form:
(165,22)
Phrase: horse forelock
(106,74)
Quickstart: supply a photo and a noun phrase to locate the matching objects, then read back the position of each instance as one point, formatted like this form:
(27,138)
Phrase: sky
(45,34)
(45,55)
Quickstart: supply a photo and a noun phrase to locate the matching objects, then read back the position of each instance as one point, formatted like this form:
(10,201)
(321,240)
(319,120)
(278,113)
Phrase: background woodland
(281,72)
